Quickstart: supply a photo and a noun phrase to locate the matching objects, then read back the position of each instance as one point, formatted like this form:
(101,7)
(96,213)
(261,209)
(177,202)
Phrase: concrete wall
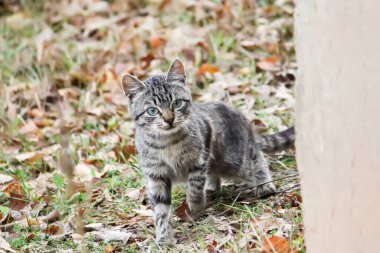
(338,123)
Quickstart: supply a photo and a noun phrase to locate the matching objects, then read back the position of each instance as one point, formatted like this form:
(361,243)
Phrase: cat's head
(159,103)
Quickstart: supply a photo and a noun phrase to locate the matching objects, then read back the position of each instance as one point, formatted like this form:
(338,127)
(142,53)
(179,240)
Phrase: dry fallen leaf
(52,230)
(29,127)
(93,227)
(77,238)
(111,235)
(228,251)
(156,42)
(144,213)
(276,244)
(135,194)
(294,198)
(183,211)
(16,195)
(109,249)
(208,68)
(30,157)
(4,245)
(271,63)
(32,221)
(85,172)
(5,179)
(212,247)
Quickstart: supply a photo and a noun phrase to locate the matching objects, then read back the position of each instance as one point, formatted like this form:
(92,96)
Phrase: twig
(48,218)
(289,188)
(274,180)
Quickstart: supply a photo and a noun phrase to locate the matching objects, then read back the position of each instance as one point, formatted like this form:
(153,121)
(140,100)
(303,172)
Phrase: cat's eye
(177,103)
(152,111)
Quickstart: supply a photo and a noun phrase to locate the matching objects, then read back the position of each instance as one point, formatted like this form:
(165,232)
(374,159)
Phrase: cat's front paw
(190,213)
(265,190)
(197,209)
(166,239)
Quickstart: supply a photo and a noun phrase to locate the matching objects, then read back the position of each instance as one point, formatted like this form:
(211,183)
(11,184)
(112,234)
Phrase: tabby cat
(181,141)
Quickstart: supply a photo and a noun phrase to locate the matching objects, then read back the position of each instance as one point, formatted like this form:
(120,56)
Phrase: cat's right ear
(131,85)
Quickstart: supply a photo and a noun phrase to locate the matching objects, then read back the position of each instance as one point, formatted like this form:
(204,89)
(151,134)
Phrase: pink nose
(169,121)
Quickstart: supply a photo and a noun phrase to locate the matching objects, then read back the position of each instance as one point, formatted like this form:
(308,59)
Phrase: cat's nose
(168,116)
(169,120)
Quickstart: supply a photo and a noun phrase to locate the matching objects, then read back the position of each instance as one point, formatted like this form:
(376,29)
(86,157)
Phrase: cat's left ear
(176,72)
(131,85)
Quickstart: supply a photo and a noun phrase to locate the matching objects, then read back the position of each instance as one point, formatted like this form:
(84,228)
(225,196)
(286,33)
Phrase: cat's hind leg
(213,186)
(264,182)
(256,180)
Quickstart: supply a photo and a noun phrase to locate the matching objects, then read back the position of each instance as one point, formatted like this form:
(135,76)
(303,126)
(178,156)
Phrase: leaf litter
(68,164)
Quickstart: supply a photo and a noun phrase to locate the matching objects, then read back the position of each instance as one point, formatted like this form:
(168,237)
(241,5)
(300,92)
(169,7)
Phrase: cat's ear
(176,72)
(131,85)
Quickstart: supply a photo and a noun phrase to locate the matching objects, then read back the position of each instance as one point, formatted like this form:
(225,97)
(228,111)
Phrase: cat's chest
(180,157)
(179,160)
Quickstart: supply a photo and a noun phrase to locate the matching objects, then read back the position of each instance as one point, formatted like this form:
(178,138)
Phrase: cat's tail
(278,141)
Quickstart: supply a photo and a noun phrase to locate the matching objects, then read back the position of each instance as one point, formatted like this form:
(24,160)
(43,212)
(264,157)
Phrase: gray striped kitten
(181,141)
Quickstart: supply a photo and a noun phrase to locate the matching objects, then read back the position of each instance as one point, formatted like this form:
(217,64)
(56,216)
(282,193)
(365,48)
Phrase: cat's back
(220,114)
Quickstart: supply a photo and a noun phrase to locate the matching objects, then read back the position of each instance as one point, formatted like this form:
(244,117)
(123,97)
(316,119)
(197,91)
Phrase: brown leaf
(183,212)
(109,249)
(207,68)
(260,126)
(35,113)
(271,63)
(30,237)
(279,244)
(212,247)
(157,42)
(44,122)
(52,230)
(126,151)
(164,3)
(17,195)
(203,45)
(294,198)
(147,60)
(32,221)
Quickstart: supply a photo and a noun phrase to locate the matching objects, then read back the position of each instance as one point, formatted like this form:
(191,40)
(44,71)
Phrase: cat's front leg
(196,191)
(159,192)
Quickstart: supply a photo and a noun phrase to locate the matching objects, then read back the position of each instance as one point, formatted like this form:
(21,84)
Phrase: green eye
(177,103)
(152,111)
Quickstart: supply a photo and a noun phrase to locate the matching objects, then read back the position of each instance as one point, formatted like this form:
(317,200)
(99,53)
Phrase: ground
(68,166)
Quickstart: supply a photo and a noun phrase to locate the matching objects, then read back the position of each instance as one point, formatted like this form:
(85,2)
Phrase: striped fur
(198,144)
(277,141)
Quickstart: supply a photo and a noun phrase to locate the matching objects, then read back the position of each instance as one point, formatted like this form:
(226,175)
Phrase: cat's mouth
(169,127)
